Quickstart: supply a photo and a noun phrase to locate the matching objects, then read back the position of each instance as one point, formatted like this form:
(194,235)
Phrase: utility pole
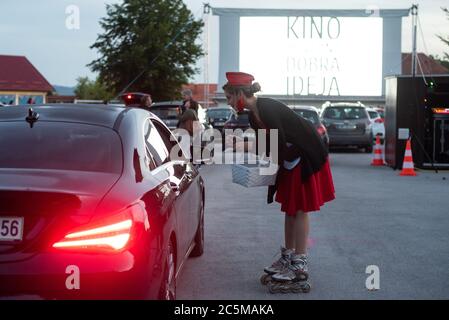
(414,11)
(206,13)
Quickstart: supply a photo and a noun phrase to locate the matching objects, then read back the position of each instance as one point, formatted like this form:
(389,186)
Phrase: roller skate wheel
(265,279)
(274,287)
(305,287)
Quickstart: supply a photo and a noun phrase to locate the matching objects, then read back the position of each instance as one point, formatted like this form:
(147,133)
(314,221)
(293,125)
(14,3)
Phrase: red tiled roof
(428,65)
(18,74)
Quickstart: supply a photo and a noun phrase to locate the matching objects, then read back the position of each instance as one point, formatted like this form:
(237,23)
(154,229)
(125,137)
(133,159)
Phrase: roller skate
(293,279)
(278,266)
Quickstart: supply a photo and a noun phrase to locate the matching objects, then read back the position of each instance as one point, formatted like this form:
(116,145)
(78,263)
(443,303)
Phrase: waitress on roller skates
(303,182)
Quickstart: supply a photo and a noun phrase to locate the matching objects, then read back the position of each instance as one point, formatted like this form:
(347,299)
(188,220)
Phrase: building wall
(21,97)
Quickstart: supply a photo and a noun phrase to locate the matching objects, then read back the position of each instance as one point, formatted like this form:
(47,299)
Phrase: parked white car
(377,123)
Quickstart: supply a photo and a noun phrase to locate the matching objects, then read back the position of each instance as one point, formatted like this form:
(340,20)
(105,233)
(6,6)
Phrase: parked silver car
(348,124)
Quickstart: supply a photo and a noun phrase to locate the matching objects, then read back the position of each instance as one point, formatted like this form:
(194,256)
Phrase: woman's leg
(301,232)
(289,232)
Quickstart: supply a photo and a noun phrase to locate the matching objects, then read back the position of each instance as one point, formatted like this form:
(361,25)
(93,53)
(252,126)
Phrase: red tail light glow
(115,242)
(112,234)
(321,130)
(380,120)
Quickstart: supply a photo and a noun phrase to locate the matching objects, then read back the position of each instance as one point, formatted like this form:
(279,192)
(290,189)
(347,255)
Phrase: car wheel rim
(170,284)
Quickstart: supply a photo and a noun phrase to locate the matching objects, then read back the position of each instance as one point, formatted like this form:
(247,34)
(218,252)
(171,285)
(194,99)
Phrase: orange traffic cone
(408,167)
(378,159)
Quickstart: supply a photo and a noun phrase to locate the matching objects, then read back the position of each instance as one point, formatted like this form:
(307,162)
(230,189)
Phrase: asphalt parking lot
(399,224)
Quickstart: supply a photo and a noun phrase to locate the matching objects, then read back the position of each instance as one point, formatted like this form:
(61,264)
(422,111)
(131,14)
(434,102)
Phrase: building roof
(428,65)
(18,74)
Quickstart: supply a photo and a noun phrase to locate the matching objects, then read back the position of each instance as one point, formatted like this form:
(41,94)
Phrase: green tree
(92,90)
(151,38)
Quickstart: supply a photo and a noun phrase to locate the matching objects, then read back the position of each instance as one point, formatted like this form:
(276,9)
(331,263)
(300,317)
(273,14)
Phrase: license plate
(11,228)
(347,127)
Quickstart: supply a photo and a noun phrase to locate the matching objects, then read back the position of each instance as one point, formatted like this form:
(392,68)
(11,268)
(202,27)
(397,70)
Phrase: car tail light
(109,234)
(379,120)
(321,130)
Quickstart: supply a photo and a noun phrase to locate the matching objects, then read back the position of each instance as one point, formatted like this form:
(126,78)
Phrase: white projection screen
(303,56)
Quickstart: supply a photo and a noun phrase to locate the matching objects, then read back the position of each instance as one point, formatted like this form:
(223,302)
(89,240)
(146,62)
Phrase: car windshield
(218,114)
(345,113)
(312,116)
(166,113)
(59,146)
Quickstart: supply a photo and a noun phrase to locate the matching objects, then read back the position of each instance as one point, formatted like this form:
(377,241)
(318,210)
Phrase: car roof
(167,104)
(310,108)
(345,104)
(103,115)
(218,108)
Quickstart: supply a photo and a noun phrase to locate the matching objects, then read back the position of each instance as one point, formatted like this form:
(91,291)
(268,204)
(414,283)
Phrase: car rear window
(308,115)
(221,114)
(242,118)
(373,114)
(60,146)
(345,113)
(166,112)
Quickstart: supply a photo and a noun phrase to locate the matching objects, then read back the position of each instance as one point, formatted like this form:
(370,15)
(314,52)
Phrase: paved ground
(400,224)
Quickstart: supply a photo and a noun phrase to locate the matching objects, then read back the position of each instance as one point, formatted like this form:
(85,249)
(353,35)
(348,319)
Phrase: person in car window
(304,180)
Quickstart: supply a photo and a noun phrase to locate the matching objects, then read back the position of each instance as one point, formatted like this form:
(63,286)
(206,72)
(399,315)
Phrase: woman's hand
(239,144)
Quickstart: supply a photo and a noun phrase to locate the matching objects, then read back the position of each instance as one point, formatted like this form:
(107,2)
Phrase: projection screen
(328,56)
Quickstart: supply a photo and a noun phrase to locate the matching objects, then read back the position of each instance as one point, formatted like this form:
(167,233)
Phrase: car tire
(168,286)
(199,235)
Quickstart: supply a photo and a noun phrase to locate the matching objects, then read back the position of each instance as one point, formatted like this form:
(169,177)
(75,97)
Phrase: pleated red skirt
(293,194)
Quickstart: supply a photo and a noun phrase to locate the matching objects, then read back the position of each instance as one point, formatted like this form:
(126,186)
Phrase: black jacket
(292,128)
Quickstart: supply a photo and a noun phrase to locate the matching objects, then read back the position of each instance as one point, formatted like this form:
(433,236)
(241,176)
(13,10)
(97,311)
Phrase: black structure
(420,104)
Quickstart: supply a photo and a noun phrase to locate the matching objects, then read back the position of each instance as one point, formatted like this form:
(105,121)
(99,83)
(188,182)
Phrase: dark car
(169,112)
(238,121)
(311,113)
(92,191)
(218,116)
(348,124)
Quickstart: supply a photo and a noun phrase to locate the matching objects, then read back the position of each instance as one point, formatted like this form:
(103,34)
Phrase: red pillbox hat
(239,79)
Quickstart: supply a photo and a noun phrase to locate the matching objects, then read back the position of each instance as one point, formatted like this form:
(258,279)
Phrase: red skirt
(293,194)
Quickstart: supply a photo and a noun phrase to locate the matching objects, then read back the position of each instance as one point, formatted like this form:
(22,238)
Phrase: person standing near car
(303,181)
(145,101)
(188,102)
